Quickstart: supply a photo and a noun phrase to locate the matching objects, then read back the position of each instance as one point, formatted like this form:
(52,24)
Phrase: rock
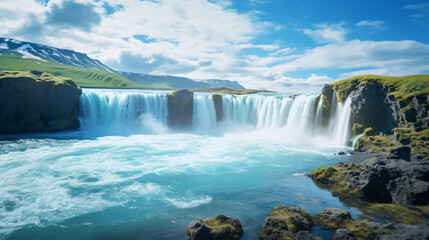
(333,218)
(32,101)
(198,230)
(305,235)
(217,100)
(343,234)
(402,152)
(409,191)
(218,228)
(405,232)
(370,106)
(180,109)
(341,153)
(369,185)
(283,222)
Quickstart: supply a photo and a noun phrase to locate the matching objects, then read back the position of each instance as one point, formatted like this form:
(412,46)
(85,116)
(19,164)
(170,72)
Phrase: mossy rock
(370,141)
(283,222)
(418,141)
(335,218)
(217,228)
(37,102)
(357,129)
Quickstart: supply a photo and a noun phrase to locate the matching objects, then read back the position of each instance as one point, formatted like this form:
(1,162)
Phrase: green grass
(84,77)
(404,87)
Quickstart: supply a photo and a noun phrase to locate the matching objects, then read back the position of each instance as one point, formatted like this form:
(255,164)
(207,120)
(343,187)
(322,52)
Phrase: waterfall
(123,111)
(137,112)
(204,117)
(340,122)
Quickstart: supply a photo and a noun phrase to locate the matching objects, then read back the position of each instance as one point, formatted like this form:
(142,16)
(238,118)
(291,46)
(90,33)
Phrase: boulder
(368,185)
(217,100)
(217,228)
(343,234)
(180,109)
(405,232)
(402,152)
(37,102)
(409,191)
(305,235)
(283,222)
(334,218)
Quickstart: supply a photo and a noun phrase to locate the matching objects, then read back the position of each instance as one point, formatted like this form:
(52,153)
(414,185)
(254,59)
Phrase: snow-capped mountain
(43,53)
(223,83)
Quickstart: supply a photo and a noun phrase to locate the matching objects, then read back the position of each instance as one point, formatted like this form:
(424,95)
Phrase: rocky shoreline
(390,187)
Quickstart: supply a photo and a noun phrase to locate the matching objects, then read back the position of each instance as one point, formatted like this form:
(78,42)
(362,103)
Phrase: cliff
(37,102)
(393,111)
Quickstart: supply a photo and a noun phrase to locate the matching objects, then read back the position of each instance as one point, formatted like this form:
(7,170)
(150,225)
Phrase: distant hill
(179,82)
(223,83)
(18,55)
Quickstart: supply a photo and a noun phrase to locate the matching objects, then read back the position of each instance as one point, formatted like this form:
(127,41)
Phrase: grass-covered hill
(84,77)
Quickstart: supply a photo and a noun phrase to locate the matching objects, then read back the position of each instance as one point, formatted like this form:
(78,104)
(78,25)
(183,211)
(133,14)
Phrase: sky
(282,45)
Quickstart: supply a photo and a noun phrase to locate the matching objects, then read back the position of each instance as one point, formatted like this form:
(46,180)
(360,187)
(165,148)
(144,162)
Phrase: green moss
(36,76)
(418,141)
(218,225)
(403,87)
(360,230)
(374,142)
(395,213)
(333,178)
(357,129)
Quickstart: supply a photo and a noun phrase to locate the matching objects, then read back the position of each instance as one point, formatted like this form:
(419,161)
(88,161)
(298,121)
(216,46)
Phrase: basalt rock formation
(180,109)
(37,102)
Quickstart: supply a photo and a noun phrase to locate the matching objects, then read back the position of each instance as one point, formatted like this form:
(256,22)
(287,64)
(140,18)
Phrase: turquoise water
(125,175)
(152,186)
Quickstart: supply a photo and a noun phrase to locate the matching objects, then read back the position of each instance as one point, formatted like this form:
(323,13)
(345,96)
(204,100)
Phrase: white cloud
(207,39)
(379,25)
(327,33)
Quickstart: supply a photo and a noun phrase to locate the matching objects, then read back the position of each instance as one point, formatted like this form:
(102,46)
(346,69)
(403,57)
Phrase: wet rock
(283,222)
(37,102)
(333,218)
(402,152)
(180,109)
(404,232)
(371,109)
(217,100)
(343,234)
(305,235)
(218,228)
(409,191)
(369,185)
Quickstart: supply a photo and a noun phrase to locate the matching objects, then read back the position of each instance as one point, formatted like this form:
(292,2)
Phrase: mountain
(179,82)
(57,55)
(18,55)
(223,83)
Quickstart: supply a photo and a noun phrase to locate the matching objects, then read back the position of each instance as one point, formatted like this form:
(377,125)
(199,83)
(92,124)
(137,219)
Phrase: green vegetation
(418,141)
(394,212)
(37,76)
(403,87)
(375,142)
(84,77)
(334,178)
(225,90)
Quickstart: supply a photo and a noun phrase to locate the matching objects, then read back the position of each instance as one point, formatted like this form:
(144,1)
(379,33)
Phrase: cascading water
(204,117)
(127,111)
(123,111)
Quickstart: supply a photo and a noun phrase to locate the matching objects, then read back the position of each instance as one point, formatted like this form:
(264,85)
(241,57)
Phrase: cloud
(324,33)
(420,13)
(395,57)
(73,14)
(378,25)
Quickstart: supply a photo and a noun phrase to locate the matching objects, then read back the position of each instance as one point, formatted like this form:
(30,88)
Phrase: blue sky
(294,46)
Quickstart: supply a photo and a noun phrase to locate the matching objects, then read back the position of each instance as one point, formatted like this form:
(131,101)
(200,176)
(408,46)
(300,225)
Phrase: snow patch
(4,46)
